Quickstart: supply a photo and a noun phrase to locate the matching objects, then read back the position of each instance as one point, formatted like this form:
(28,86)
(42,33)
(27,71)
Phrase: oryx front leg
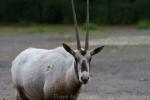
(20,94)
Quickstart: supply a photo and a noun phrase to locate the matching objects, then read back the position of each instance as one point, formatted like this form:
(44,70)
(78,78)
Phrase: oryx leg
(20,94)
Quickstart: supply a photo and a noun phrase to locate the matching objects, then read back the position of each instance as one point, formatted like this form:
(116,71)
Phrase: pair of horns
(76,27)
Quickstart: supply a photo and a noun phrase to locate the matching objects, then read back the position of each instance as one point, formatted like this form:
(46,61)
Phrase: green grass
(52,29)
(91,26)
(143,24)
(38,29)
(35,29)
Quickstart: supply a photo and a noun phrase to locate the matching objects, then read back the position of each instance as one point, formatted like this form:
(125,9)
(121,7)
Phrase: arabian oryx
(57,74)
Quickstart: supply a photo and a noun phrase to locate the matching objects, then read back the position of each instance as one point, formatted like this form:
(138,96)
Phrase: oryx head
(82,56)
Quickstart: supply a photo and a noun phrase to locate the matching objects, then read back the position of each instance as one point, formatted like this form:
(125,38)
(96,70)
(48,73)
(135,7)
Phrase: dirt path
(119,72)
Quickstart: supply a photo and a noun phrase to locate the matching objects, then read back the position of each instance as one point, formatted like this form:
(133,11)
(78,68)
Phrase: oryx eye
(90,59)
(76,59)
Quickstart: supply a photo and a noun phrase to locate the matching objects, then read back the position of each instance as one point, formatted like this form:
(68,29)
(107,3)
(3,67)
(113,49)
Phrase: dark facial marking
(76,70)
(83,66)
(83,52)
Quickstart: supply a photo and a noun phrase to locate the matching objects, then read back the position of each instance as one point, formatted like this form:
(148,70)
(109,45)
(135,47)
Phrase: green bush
(91,26)
(143,24)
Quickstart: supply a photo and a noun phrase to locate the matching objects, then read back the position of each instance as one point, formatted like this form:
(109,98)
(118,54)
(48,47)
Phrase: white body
(41,72)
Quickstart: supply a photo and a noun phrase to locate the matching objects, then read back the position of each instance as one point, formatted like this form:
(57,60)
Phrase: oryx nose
(84,79)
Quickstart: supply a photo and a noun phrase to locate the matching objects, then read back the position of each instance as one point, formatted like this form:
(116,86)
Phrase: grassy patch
(52,29)
(41,29)
(143,24)
(91,26)
(35,29)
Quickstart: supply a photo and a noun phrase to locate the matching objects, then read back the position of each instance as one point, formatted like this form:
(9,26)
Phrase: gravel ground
(120,72)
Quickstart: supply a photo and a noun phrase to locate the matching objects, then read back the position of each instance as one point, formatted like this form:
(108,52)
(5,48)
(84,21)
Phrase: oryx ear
(68,49)
(96,50)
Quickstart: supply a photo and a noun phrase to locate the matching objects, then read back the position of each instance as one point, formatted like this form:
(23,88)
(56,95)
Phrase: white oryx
(57,74)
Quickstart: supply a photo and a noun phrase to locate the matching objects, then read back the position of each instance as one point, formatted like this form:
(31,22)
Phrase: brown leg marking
(20,93)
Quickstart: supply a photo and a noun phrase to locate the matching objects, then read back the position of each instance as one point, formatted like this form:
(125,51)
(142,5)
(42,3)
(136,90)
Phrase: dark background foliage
(107,12)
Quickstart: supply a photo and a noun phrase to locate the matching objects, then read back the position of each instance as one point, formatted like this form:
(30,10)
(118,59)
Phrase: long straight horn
(87,28)
(76,26)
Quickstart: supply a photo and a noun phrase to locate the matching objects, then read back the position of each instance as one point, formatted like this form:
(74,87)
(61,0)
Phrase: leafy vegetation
(143,24)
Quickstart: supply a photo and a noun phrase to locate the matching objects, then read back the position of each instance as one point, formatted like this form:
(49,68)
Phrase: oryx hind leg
(20,94)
